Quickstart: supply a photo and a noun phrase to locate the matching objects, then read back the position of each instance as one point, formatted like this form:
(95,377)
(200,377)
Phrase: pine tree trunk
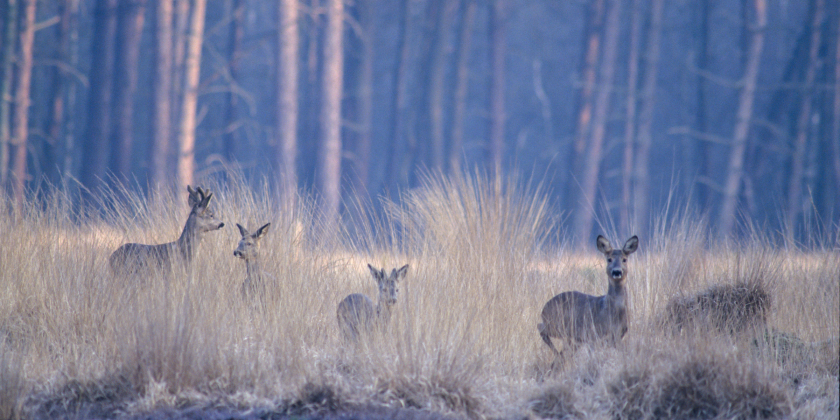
(794,204)
(95,147)
(22,100)
(329,168)
(161,169)
(192,71)
(234,51)
(9,42)
(436,87)
(734,174)
(288,57)
(498,46)
(461,84)
(130,19)
(399,104)
(585,211)
(641,178)
(630,116)
(54,146)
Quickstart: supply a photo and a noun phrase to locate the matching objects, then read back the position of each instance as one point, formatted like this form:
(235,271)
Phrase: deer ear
(374,272)
(604,244)
(399,273)
(262,231)
(242,230)
(631,245)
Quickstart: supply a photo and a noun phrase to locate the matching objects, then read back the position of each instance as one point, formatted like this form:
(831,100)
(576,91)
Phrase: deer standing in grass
(248,251)
(358,315)
(576,317)
(134,258)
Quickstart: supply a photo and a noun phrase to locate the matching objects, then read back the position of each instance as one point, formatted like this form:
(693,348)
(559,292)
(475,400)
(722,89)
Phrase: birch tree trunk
(288,54)
(161,170)
(585,211)
(129,29)
(794,204)
(22,101)
(641,178)
(329,168)
(498,47)
(95,147)
(9,43)
(734,173)
(192,71)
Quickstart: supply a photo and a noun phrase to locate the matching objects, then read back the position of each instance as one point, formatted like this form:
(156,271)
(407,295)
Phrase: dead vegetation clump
(698,388)
(726,309)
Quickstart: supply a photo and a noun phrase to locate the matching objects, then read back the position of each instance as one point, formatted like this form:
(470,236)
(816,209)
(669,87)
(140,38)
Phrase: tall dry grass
(484,257)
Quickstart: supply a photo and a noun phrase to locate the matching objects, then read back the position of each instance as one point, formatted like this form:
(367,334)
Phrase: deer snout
(237,253)
(221,225)
(617,273)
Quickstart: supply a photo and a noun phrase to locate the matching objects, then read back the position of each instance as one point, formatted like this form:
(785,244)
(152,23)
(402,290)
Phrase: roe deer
(576,317)
(248,251)
(357,314)
(133,258)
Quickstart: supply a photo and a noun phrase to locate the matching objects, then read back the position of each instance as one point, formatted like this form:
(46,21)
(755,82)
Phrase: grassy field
(77,343)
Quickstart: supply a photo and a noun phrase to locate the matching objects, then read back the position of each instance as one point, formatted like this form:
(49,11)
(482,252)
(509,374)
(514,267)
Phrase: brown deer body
(248,251)
(577,318)
(135,258)
(358,315)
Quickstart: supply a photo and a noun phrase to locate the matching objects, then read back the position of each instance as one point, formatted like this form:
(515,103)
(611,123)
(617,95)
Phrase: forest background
(618,107)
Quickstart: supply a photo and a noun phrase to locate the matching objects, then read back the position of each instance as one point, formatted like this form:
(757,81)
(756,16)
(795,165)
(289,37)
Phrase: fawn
(133,258)
(357,314)
(576,317)
(248,251)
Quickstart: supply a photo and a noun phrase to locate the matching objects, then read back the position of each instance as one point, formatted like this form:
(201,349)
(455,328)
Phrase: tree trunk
(161,170)
(363,103)
(230,138)
(641,178)
(288,57)
(130,19)
(399,104)
(630,117)
(742,125)
(436,88)
(22,100)
(329,168)
(9,43)
(54,146)
(461,84)
(585,210)
(589,66)
(192,71)
(803,123)
(498,46)
(700,118)
(835,138)
(95,148)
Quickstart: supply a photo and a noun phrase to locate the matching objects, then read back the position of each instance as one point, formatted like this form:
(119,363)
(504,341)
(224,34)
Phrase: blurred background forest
(619,107)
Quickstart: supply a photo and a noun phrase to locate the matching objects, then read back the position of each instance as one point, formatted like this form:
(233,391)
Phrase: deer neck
(616,294)
(253,271)
(383,311)
(189,239)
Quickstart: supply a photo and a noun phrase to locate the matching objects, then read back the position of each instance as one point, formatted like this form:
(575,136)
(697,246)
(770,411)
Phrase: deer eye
(624,260)
(609,259)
